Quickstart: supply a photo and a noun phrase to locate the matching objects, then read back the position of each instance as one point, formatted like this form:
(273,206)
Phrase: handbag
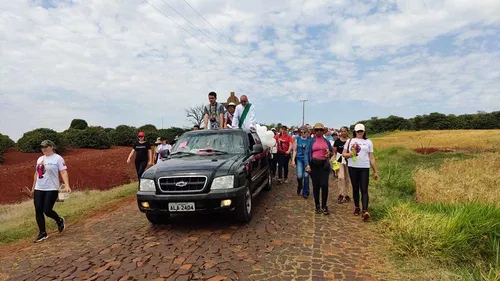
(62,194)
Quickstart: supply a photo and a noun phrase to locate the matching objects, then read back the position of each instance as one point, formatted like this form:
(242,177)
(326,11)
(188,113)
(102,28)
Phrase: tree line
(434,121)
(81,135)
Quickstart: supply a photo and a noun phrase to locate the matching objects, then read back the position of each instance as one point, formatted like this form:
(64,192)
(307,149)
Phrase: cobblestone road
(284,241)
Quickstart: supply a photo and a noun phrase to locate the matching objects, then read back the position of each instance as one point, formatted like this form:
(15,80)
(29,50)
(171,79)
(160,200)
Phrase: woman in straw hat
(317,161)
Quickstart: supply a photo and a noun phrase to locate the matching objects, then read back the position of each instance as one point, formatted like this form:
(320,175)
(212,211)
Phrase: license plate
(181,207)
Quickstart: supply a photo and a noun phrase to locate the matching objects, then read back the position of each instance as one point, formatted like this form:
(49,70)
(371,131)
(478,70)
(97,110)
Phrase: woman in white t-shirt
(46,187)
(163,146)
(359,154)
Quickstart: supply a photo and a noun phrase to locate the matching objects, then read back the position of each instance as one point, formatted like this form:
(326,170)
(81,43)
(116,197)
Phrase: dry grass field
(442,207)
(461,181)
(473,141)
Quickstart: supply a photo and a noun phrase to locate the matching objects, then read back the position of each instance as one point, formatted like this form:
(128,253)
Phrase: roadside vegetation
(17,221)
(441,211)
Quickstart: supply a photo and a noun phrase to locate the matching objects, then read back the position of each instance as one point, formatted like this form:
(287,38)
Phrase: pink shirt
(319,149)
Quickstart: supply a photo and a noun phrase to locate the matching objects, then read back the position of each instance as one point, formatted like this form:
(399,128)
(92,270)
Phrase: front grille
(182,184)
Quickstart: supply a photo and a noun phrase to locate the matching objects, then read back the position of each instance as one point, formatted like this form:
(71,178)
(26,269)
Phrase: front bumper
(204,202)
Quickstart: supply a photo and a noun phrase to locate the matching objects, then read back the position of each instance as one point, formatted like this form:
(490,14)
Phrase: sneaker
(279,180)
(357,211)
(318,210)
(60,225)
(42,236)
(286,180)
(347,198)
(366,216)
(325,211)
(305,197)
(340,199)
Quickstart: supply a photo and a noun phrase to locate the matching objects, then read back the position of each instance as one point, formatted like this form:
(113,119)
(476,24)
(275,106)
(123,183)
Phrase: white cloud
(123,62)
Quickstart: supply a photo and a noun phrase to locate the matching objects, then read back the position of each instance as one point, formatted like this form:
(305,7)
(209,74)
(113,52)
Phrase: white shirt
(47,171)
(364,147)
(249,120)
(162,147)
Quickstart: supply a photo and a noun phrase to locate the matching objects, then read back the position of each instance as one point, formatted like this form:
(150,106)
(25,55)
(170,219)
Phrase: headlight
(223,182)
(147,185)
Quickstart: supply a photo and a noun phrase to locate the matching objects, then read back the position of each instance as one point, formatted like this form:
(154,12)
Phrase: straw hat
(319,126)
(158,140)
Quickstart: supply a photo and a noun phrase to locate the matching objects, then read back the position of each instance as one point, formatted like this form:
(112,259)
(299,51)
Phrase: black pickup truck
(207,170)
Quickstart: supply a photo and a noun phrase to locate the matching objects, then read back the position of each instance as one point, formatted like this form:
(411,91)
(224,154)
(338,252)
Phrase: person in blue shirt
(300,144)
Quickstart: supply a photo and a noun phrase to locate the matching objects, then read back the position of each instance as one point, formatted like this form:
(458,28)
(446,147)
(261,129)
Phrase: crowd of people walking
(316,152)
(317,156)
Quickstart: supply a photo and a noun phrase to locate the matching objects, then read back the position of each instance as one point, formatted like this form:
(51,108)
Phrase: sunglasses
(141,136)
(44,146)
(360,131)
(244,101)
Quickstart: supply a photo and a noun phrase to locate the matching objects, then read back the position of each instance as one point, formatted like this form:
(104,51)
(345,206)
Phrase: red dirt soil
(429,150)
(87,168)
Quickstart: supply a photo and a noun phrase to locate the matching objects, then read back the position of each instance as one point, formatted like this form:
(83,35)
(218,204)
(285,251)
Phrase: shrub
(30,141)
(123,135)
(5,143)
(78,124)
(92,137)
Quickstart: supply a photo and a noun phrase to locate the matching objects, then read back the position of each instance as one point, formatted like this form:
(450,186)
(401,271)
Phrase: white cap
(359,127)
(231,103)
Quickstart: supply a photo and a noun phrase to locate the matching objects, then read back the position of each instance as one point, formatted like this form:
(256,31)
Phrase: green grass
(18,221)
(396,166)
(461,238)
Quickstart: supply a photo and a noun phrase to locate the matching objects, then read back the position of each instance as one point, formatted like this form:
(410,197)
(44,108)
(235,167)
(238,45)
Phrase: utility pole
(162,122)
(303,111)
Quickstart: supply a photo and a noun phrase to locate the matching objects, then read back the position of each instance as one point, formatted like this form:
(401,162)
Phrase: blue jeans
(302,177)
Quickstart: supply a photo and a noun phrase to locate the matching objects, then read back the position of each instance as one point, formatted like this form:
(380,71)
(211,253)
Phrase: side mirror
(165,153)
(257,149)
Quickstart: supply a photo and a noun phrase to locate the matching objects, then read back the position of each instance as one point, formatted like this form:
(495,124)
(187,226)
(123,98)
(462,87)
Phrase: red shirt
(284,142)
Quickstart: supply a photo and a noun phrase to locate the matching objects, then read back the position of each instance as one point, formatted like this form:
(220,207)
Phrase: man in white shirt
(244,114)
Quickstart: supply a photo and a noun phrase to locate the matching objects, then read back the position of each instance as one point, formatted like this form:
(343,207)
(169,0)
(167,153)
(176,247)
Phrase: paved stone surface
(284,241)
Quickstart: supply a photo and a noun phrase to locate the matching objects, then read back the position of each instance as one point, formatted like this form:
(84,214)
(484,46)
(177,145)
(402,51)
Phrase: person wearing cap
(285,143)
(163,145)
(213,114)
(143,155)
(228,117)
(359,154)
(196,127)
(46,187)
(317,161)
(299,150)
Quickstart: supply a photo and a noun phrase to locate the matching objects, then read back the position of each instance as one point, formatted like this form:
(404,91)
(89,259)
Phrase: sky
(134,62)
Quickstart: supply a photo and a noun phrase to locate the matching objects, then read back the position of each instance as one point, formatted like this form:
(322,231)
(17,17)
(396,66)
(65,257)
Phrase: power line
(220,45)
(230,41)
(187,31)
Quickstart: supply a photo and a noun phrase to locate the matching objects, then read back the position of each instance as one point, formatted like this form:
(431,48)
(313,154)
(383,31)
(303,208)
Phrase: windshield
(210,143)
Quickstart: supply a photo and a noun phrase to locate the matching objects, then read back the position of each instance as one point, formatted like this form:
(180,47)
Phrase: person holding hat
(359,154)
(143,155)
(317,161)
(228,116)
(46,187)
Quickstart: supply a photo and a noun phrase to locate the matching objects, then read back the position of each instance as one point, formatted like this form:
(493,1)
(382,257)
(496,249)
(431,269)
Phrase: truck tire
(157,218)
(244,207)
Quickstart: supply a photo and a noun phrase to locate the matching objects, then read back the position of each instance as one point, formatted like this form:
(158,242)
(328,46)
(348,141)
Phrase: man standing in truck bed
(244,114)
(213,113)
